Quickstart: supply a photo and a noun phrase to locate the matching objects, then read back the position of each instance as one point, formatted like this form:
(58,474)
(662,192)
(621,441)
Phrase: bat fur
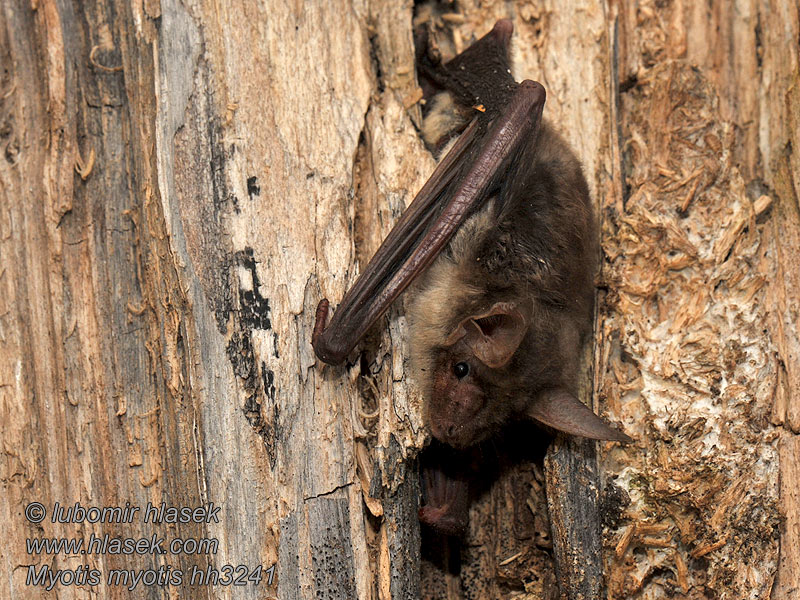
(536,252)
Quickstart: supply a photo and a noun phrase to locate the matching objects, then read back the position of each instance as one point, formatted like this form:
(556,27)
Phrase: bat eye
(461,370)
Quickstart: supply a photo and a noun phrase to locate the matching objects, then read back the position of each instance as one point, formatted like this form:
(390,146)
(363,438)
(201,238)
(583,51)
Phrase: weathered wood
(97,407)
(687,356)
(573,503)
(182,181)
(169,274)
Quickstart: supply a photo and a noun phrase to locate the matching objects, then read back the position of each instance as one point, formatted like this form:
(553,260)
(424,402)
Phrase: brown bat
(501,245)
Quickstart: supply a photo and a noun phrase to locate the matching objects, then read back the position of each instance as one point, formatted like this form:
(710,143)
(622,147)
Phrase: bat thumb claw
(320,321)
(327,347)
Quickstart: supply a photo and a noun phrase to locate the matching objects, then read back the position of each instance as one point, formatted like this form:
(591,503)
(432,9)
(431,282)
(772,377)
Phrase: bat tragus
(501,242)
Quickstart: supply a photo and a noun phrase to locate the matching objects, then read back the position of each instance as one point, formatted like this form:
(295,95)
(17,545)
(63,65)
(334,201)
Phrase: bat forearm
(374,291)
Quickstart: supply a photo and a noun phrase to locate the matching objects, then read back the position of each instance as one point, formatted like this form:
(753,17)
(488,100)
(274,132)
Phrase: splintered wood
(183,181)
(685,364)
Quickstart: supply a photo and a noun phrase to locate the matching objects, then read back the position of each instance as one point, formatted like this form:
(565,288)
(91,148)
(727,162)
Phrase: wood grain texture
(97,406)
(687,348)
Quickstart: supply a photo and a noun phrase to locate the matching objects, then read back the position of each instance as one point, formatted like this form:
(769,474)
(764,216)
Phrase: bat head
(477,385)
(467,398)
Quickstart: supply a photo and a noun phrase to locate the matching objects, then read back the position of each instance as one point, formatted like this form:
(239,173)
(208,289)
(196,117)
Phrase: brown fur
(532,246)
(441,295)
(498,318)
(443,119)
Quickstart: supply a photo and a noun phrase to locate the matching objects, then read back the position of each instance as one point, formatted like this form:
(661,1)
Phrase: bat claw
(320,321)
(327,345)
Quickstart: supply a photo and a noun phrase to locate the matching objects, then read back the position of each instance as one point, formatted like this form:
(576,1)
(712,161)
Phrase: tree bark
(182,180)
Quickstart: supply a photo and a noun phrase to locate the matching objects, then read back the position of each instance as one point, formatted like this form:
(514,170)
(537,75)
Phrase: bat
(500,246)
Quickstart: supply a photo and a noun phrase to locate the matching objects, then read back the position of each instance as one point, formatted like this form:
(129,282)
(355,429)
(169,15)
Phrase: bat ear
(561,410)
(492,336)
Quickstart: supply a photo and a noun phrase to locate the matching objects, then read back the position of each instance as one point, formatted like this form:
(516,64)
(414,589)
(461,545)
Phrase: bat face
(458,399)
(466,403)
(461,398)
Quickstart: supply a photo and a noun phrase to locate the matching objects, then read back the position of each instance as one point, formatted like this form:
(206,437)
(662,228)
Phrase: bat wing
(460,185)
